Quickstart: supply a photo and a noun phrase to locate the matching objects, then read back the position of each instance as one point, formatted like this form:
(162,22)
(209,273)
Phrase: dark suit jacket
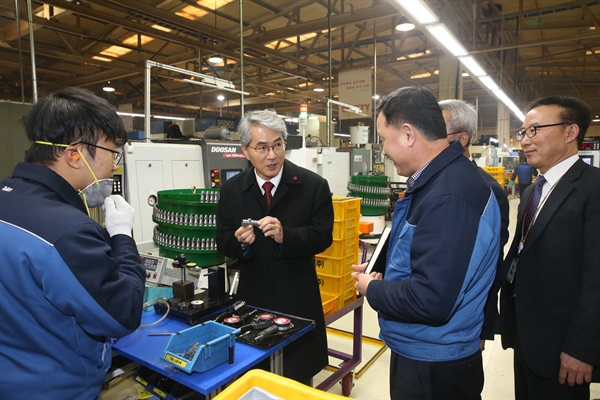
(491,318)
(282,277)
(557,286)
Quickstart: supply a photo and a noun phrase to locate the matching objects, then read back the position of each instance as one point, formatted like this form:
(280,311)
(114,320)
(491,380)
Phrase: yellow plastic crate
(345,228)
(494,170)
(259,384)
(335,284)
(342,247)
(330,303)
(345,207)
(347,297)
(335,266)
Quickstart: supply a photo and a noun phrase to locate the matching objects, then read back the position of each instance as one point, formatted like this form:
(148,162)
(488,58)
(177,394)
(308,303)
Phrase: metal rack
(345,372)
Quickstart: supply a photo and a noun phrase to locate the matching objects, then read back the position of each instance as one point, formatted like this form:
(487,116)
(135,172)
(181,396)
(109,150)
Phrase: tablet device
(385,235)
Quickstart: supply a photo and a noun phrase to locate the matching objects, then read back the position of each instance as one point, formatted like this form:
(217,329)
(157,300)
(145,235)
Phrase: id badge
(520,247)
(512,270)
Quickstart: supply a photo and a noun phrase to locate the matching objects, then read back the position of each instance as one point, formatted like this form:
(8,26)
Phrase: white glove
(118,216)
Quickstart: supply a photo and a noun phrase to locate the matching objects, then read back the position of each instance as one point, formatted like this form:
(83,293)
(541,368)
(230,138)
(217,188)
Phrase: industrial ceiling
(531,48)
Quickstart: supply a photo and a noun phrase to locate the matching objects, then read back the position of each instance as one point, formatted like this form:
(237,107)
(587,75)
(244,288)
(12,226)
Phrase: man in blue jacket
(441,257)
(68,285)
(525,173)
(461,125)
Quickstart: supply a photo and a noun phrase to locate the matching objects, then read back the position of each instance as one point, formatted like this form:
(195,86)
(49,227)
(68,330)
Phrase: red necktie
(534,200)
(268,196)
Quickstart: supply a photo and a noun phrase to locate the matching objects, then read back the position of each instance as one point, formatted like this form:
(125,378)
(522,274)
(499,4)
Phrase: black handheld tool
(234,307)
(273,329)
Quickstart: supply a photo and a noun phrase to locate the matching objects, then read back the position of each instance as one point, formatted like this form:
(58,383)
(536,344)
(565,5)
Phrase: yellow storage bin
(330,303)
(345,207)
(335,284)
(335,266)
(259,384)
(345,228)
(342,247)
(347,297)
(494,170)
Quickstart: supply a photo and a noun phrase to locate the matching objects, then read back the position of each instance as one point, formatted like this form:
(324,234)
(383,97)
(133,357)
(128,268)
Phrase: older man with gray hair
(276,260)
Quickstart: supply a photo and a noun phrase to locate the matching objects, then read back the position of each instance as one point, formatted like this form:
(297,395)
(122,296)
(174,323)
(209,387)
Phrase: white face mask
(93,195)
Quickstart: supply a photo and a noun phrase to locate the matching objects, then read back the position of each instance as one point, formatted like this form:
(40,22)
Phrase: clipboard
(383,239)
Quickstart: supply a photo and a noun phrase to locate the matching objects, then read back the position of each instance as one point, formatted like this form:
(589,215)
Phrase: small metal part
(184,305)
(248,221)
(196,304)
(237,305)
(173,301)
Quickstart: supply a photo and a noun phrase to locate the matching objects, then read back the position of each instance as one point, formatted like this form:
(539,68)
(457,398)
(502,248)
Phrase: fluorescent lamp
(171,118)
(509,103)
(341,134)
(319,89)
(472,65)
(215,60)
(128,114)
(420,12)
(446,39)
(489,83)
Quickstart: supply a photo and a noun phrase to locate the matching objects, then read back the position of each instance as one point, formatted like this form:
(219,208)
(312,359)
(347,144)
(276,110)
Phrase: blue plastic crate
(201,347)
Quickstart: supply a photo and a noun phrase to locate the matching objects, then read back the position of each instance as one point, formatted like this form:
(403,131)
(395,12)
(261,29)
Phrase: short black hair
(575,111)
(69,116)
(417,106)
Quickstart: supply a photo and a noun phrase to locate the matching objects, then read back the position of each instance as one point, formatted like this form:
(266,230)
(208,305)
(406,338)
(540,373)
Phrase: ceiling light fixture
(472,65)
(419,10)
(215,60)
(108,88)
(442,35)
(319,89)
(404,25)
(446,39)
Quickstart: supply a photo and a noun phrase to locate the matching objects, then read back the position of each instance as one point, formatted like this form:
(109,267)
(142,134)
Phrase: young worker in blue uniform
(67,285)
(441,258)
(276,258)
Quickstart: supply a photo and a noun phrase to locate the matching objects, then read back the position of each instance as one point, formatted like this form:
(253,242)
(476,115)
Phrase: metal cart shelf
(345,373)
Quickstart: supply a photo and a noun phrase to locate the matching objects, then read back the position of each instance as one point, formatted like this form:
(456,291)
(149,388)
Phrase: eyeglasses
(118,154)
(263,149)
(454,133)
(532,130)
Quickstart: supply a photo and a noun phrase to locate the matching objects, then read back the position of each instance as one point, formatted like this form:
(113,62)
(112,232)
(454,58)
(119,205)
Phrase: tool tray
(249,336)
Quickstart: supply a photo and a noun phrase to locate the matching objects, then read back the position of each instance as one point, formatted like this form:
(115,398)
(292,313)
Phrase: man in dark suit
(276,258)
(461,125)
(550,301)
